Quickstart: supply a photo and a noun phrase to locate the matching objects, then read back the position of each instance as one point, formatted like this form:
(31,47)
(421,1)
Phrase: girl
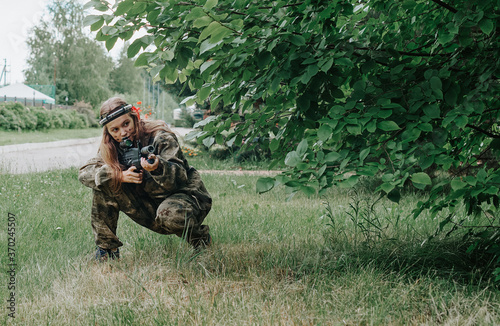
(162,192)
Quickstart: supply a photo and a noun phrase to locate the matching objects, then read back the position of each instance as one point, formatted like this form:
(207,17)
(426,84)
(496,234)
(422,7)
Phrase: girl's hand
(131,176)
(150,166)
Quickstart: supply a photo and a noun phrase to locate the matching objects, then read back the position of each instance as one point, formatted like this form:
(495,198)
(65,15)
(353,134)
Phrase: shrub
(13,119)
(43,119)
(55,120)
(65,117)
(78,120)
(219,152)
(87,114)
(4,121)
(15,116)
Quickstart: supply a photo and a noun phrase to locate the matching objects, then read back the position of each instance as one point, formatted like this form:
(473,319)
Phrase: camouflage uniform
(170,200)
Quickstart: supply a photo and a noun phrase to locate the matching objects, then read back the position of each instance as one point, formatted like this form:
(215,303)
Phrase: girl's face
(122,127)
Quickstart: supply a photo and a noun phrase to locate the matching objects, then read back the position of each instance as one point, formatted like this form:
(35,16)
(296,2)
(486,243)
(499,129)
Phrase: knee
(175,212)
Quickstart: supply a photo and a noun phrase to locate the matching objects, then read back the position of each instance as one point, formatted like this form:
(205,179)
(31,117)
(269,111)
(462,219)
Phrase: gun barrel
(147,150)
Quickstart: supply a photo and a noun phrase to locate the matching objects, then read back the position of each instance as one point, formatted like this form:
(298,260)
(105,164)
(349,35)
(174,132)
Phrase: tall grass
(273,262)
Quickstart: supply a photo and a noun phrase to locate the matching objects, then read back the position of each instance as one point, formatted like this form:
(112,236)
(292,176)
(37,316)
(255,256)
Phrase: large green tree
(62,54)
(340,89)
(126,78)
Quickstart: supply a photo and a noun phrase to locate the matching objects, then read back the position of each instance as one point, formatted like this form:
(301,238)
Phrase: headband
(119,111)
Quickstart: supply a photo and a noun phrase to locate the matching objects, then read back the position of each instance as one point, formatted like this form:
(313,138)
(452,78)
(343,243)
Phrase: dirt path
(25,158)
(39,157)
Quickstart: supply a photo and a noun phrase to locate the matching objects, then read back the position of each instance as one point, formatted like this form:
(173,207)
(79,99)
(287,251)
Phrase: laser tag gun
(132,155)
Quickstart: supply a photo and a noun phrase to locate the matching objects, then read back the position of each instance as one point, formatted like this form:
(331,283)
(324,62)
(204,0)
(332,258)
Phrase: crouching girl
(160,191)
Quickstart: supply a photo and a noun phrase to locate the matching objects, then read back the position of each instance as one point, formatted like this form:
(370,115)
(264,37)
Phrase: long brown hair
(108,147)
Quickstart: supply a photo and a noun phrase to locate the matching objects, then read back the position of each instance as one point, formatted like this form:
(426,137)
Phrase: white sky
(16,19)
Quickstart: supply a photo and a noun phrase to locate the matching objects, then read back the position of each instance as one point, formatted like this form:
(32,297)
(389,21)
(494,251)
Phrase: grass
(273,262)
(203,161)
(11,138)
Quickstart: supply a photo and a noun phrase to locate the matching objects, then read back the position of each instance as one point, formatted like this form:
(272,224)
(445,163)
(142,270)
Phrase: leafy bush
(219,152)
(55,120)
(43,121)
(15,116)
(87,114)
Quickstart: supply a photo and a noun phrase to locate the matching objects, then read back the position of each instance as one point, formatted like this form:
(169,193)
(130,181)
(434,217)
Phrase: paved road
(38,157)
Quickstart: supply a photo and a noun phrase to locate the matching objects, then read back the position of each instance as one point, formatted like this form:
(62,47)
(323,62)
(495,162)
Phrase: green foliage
(340,89)
(15,116)
(61,54)
(126,78)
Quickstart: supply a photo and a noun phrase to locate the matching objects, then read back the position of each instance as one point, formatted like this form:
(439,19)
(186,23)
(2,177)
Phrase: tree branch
(447,6)
(486,132)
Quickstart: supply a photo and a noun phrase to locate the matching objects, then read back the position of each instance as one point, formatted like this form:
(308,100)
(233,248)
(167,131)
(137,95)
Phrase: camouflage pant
(178,214)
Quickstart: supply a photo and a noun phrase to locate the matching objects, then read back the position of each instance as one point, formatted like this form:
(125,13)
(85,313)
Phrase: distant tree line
(62,53)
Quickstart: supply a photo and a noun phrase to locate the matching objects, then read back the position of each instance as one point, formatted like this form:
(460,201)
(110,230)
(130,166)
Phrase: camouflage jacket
(173,174)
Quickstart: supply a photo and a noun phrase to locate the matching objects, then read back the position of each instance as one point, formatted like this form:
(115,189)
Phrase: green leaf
(92,19)
(202,21)
(492,190)
(481,176)
(486,26)
(219,139)
(235,117)
(123,7)
(471,180)
(321,170)
(350,182)
(445,37)
(302,147)
(297,40)
(427,127)
(263,59)
(461,121)
(292,159)
(344,62)
(363,154)
(110,43)
(324,132)
(371,126)
(436,83)
(421,178)
(457,184)
(195,13)
(220,33)
(432,111)
(210,30)
(387,187)
(204,93)
(209,4)
(426,161)
(134,48)
(332,157)
(388,125)
(137,9)
(384,114)
(309,191)
(274,145)
(394,196)
(327,65)
(209,141)
(206,65)
(95,26)
(264,185)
